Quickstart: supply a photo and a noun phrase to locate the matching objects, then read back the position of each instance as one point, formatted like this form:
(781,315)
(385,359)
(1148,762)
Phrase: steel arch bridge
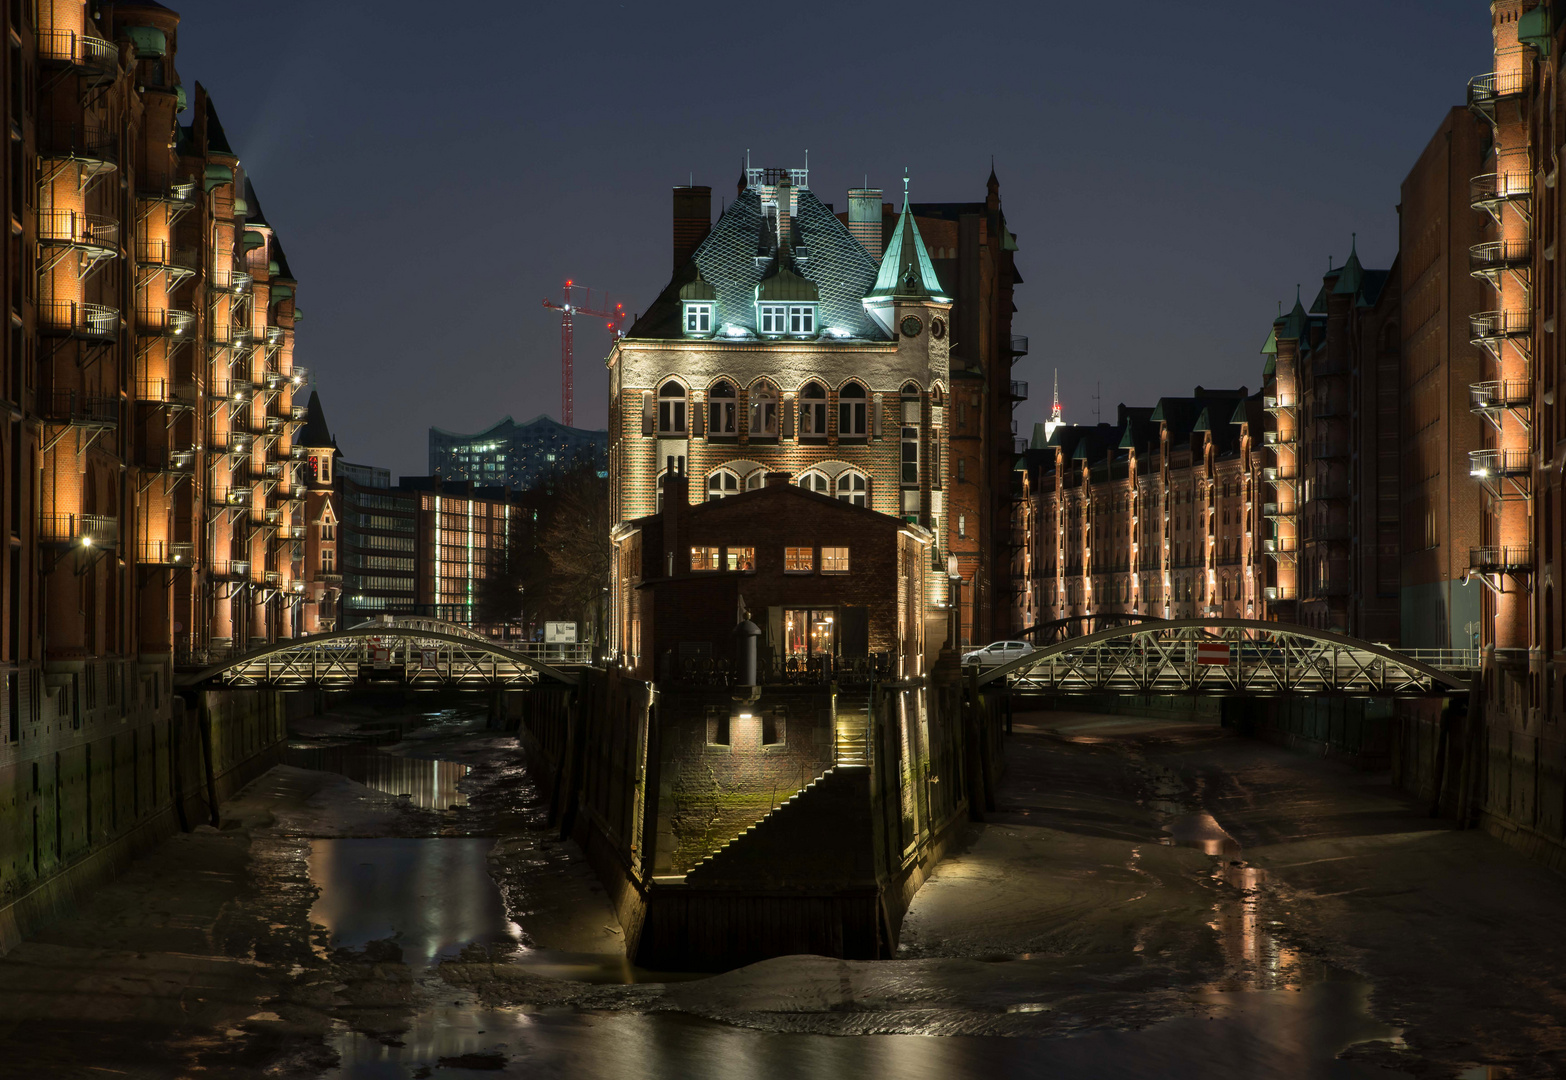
(1076,625)
(1223,656)
(421,653)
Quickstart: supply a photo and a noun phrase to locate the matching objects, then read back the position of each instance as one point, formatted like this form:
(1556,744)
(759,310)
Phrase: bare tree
(574,533)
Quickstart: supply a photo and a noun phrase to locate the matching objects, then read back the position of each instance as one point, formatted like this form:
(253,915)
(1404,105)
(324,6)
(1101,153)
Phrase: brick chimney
(864,218)
(778,479)
(785,218)
(692,221)
(676,503)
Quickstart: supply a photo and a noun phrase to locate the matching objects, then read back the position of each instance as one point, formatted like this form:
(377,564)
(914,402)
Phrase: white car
(1001,652)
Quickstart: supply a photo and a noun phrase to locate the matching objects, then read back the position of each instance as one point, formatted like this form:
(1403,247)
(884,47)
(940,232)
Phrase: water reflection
(1257,1036)
(432,896)
(431,785)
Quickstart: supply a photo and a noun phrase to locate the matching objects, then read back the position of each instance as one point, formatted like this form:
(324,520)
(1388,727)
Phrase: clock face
(937,328)
(911,326)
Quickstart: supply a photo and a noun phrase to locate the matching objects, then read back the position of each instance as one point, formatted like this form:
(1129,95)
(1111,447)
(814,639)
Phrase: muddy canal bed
(1150,899)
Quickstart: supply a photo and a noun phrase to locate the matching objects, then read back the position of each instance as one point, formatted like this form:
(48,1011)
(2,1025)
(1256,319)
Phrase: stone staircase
(811,838)
(851,731)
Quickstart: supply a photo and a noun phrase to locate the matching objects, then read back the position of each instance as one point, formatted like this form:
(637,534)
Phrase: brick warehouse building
(1156,514)
(820,577)
(151,481)
(782,344)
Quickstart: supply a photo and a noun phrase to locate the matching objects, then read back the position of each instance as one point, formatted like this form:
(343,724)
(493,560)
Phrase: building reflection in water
(430,896)
(431,785)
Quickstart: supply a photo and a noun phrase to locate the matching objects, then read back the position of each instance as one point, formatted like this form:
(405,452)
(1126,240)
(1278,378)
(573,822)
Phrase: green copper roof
(149,41)
(1319,305)
(1040,439)
(1534,28)
(1270,346)
(698,289)
(783,285)
(1351,276)
(1240,416)
(219,174)
(906,269)
(1292,325)
(1202,423)
(252,240)
(1269,367)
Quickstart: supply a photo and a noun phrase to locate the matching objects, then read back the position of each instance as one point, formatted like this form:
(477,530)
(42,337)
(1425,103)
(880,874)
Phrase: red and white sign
(381,657)
(1212,652)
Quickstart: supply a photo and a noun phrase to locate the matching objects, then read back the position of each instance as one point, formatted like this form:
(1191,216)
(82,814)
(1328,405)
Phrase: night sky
(1171,169)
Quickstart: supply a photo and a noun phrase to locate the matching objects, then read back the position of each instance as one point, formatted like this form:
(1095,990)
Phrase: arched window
(722,409)
(813,411)
(721,484)
(671,409)
(813,481)
(853,488)
(851,411)
(763,411)
(757,479)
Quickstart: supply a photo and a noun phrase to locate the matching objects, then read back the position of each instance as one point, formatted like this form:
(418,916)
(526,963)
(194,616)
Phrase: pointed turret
(907,274)
(1351,275)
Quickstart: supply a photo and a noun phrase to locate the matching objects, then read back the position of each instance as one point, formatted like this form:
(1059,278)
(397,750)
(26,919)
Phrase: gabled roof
(283,272)
(740,251)
(1291,326)
(906,269)
(217,140)
(255,217)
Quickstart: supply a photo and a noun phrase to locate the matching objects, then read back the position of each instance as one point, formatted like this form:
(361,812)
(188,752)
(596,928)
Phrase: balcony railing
(1019,345)
(234,497)
(1501,560)
(1019,391)
(175,463)
(1493,326)
(1487,259)
(96,59)
(166,553)
(179,395)
(75,228)
(1484,464)
(80,530)
(161,253)
(80,410)
(1278,438)
(1275,473)
(87,144)
(1274,593)
(232,569)
(1328,448)
(1485,91)
(239,391)
(165,322)
(73,318)
(1279,402)
(1490,396)
(1491,189)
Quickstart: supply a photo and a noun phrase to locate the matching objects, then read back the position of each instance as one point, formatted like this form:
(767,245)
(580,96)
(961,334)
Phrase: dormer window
(698,318)
(774,317)
(802,319)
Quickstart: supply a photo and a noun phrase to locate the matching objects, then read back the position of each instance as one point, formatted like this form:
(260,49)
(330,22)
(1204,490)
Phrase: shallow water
(431,896)
(430,785)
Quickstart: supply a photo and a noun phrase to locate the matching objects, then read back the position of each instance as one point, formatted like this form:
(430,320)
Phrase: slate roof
(740,251)
(255,217)
(315,432)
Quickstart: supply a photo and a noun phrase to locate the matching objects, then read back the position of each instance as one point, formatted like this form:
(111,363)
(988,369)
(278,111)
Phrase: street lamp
(954,577)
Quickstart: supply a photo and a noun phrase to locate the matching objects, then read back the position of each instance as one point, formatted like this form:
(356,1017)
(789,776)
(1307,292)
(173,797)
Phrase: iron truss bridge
(1227,656)
(422,653)
(1076,625)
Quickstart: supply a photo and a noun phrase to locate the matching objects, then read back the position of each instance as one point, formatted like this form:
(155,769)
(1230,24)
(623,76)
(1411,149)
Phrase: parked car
(1000,652)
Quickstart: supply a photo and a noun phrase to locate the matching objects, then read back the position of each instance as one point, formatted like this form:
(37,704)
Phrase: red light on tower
(567,310)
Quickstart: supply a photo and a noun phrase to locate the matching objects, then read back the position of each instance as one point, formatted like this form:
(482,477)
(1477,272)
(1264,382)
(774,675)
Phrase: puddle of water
(431,785)
(433,896)
(1255,1036)
(1201,830)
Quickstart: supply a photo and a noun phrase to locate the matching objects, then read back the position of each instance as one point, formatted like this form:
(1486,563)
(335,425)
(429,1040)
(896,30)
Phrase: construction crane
(569,309)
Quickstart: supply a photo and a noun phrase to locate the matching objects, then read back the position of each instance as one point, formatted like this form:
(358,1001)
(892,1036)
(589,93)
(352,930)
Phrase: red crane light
(567,310)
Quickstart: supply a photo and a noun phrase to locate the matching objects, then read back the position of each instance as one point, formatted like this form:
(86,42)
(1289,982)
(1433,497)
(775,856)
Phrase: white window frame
(698,318)
(771,318)
(728,487)
(846,490)
(802,319)
(762,395)
(682,413)
(857,412)
(816,409)
(717,405)
(834,560)
(818,482)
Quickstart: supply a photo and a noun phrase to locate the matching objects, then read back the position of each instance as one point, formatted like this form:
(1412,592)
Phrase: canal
(1151,898)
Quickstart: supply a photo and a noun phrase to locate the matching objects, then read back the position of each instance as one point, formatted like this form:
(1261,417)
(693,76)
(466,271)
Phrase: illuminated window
(773,318)
(705,558)
(799,560)
(722,483)
(834,560)
(671,409)
(802,319)
(722,406)
(813,411)
(852,487)
(851,411)
(813,481)
(698,318)
(328,560)
(742,558)
(763,410)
